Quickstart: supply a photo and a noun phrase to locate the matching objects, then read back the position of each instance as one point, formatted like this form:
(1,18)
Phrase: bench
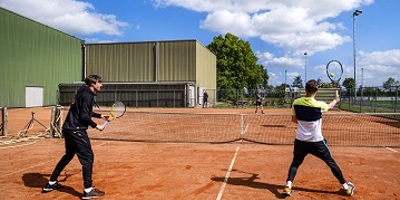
(239,103)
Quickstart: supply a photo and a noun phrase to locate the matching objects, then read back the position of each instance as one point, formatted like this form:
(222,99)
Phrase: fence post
(4,121)
(396,99)
(376,99)
(361,100)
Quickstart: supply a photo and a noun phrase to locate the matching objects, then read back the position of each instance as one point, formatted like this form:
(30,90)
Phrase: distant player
(205,99)
(307,113)
(259,100)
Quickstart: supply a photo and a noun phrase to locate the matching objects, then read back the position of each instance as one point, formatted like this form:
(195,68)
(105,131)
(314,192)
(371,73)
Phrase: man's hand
(100,127)
(336,100)
(337,97)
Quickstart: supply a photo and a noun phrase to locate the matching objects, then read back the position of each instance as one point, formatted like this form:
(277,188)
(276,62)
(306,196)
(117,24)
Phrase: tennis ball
(332,74)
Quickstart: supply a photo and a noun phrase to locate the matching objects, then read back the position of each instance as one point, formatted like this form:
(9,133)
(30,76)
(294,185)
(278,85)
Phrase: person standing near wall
(205,99)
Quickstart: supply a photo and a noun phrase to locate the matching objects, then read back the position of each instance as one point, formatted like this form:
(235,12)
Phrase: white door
(191,97)
(200,93)
(33,96)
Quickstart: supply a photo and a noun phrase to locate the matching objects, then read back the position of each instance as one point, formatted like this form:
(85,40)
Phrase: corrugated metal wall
(32,54)
(177,61)
(133,94)
(122,62)
(158,61)
(206,71)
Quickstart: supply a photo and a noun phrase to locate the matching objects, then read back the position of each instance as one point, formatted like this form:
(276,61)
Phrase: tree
(390,83)
(348,83)
(326,85)
(369,91)
(297,82)
(236,64)
(280,90)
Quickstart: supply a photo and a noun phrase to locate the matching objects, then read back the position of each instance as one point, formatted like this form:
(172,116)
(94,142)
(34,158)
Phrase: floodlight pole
(362,77)
(355,13)
(305,68)
(285,77)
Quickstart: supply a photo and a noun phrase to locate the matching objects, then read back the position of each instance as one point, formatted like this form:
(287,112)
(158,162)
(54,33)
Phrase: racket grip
(105,123)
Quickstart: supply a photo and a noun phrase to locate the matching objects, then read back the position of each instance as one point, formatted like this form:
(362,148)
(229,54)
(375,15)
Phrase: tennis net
(365,129)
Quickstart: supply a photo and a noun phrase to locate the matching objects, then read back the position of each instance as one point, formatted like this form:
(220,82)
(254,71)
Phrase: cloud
(268,59)
(71,16)
(290,24)
(373,68)
(377,67)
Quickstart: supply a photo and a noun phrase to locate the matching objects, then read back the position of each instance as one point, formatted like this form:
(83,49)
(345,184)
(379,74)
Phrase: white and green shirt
(308,112)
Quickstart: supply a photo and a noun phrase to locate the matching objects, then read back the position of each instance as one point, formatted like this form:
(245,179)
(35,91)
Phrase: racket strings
(334,70)
(118,109)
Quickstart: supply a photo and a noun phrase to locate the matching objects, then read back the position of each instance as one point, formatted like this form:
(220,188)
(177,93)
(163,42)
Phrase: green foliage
(370,91)
(280,90)
(348,83)
(297,82)
(236,64)
(325,85)
(388,84)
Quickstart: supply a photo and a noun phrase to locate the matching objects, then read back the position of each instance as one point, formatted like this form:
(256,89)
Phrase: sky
(280,32)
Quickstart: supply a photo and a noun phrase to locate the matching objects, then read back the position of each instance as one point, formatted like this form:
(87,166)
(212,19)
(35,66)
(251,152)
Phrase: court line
(39,164)
(15,146)
(26,168)
(390,149)
(221,191)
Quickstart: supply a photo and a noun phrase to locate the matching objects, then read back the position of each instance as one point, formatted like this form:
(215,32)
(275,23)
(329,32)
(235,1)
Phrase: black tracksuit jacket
(81,111)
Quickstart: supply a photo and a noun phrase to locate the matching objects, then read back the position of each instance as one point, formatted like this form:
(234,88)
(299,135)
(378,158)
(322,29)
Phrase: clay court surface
(163,170)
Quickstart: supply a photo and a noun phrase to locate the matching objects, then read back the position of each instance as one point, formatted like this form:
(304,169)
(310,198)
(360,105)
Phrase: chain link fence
(371,99)
(366,99)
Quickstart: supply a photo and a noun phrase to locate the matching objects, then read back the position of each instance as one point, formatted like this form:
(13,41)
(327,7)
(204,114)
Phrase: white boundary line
(221,191)
(390,149)
(39,164)
(24,169)
(15,146)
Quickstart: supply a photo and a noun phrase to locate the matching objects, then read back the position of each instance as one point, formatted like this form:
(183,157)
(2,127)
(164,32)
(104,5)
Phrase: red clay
(134,170)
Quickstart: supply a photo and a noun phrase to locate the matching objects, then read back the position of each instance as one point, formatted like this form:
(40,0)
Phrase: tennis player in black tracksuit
(76,139)
(307,113)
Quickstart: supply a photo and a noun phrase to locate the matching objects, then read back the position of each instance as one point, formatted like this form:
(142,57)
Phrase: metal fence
(134,95)
(371,99)
(366,99)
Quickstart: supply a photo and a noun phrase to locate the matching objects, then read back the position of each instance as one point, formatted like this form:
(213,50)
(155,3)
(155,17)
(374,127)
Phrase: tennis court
(204,154)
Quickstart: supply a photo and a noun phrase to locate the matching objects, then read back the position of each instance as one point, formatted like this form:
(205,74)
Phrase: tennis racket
(118,109)
(334,70)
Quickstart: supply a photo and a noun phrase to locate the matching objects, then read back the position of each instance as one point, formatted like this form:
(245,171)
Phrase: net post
(55,122)
(241,127)
(52,121)
(3,124)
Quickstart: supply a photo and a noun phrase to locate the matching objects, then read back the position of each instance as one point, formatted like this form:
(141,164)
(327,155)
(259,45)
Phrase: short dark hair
(92,79)
(312,86)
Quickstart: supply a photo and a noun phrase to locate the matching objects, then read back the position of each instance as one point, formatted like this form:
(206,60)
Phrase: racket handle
(105,123)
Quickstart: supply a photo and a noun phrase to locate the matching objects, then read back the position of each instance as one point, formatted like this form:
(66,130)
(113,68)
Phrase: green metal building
(41,66)
(34,59)
(155,63)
